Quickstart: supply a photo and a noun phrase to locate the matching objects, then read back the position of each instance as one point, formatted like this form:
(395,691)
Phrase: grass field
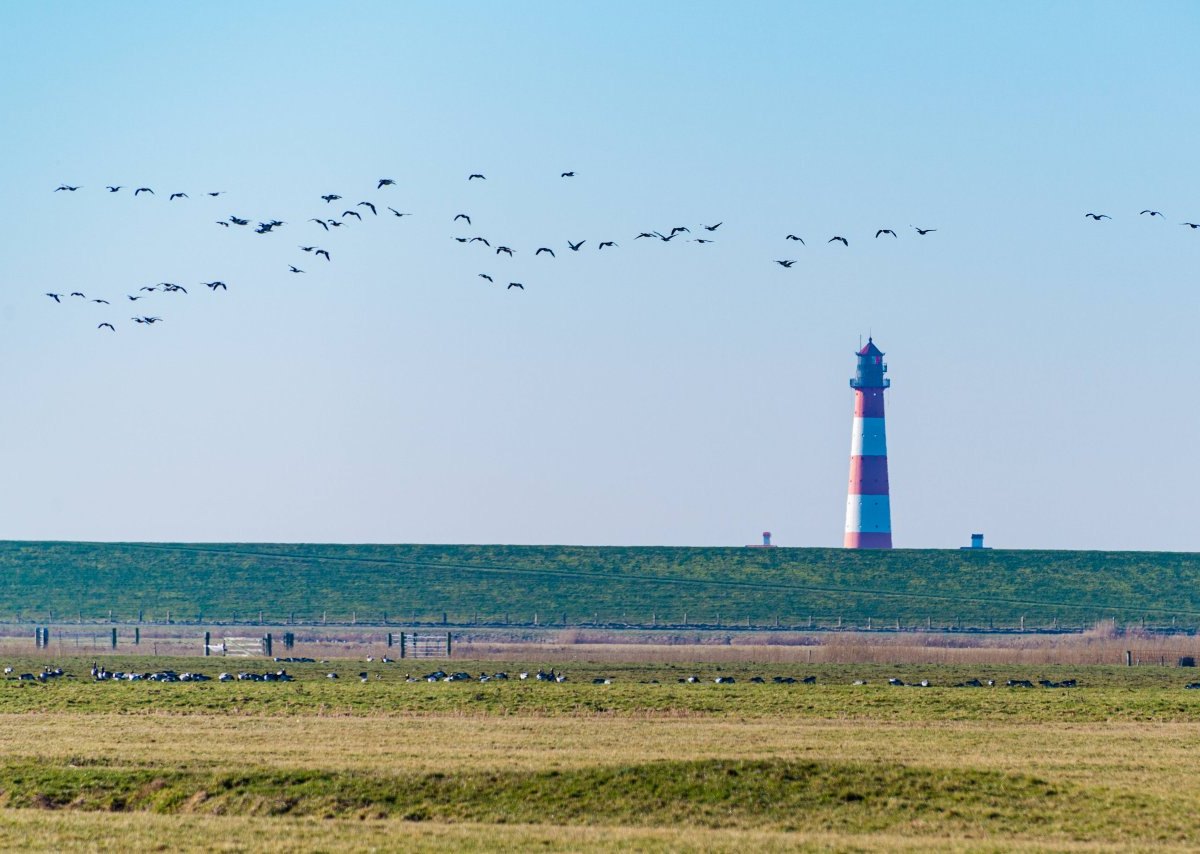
(346,765)
(576,585)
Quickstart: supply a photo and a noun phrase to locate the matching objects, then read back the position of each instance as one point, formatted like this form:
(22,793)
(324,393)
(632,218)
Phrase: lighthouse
(868,513)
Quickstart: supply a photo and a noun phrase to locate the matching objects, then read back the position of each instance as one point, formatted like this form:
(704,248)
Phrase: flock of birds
(360,211)
(100,673)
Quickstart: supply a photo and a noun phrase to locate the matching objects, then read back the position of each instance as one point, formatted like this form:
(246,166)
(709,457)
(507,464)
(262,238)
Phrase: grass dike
(783,795)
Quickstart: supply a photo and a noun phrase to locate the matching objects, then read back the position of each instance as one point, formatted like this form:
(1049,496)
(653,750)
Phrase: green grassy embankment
(584,585)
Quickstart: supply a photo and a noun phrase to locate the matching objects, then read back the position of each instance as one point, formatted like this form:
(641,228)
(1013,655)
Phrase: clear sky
(652,393)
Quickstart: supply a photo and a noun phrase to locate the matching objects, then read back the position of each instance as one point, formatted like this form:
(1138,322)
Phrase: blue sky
(654,393)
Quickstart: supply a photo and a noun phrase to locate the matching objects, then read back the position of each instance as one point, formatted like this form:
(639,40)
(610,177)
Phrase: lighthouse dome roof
(870,349)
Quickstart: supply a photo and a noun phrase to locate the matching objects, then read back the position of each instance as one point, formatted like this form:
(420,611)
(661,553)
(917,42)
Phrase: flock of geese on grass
(361,211)
(100,673)
(367,209)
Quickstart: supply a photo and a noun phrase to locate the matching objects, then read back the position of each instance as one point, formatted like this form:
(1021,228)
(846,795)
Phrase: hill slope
(635,585)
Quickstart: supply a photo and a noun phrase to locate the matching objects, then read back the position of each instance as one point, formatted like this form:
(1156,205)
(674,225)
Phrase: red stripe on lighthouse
(868,476)
(868,540)
(868,403)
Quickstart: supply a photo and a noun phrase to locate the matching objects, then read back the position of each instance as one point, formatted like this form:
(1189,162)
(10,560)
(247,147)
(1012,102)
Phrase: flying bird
(369,205)
(1152,213)
(575,246)
(482,240)
(307,248)
(457,217)
(113,189)
(1098,217)
(462,239)
(56,297)
(384,182)
(701,240)
(785,263)
(923,231)
(67,187)
(512,285)
(542,249)
(174,196)
(794,237)
(353,213)
(217,193)
(475,175)
(1191,224)
(332,197)
(143,190)
(486,276)
(294,268)
(101,301)
(237,221)
(606,243)
(334,223)
(567,175)
(647,234)
(215,285)
(222,222)
(884,231)
(109,325)
(665,238)
(77,294)
(397,213)
(713,227)
(680,228)
(321,223)
(324,252)
(845,242)
(504,249)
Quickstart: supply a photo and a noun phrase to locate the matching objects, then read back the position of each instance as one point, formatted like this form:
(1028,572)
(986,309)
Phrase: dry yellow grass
(37,830)
(1157,759)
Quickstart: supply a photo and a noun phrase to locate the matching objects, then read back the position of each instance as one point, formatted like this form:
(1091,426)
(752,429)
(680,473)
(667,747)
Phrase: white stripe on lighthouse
(868,438)
(868,513)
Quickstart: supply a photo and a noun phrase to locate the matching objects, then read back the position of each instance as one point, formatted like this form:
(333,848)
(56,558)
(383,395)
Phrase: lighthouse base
(868,540)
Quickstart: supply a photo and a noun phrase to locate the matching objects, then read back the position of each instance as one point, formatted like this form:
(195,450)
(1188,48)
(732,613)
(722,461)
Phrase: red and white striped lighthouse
(868,513)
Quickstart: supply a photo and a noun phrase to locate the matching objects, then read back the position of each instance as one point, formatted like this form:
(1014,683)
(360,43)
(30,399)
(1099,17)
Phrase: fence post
(1129,658)
(114,638)
(389,639)
(402,644)
(207,642)
(447,645)
(267,644)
